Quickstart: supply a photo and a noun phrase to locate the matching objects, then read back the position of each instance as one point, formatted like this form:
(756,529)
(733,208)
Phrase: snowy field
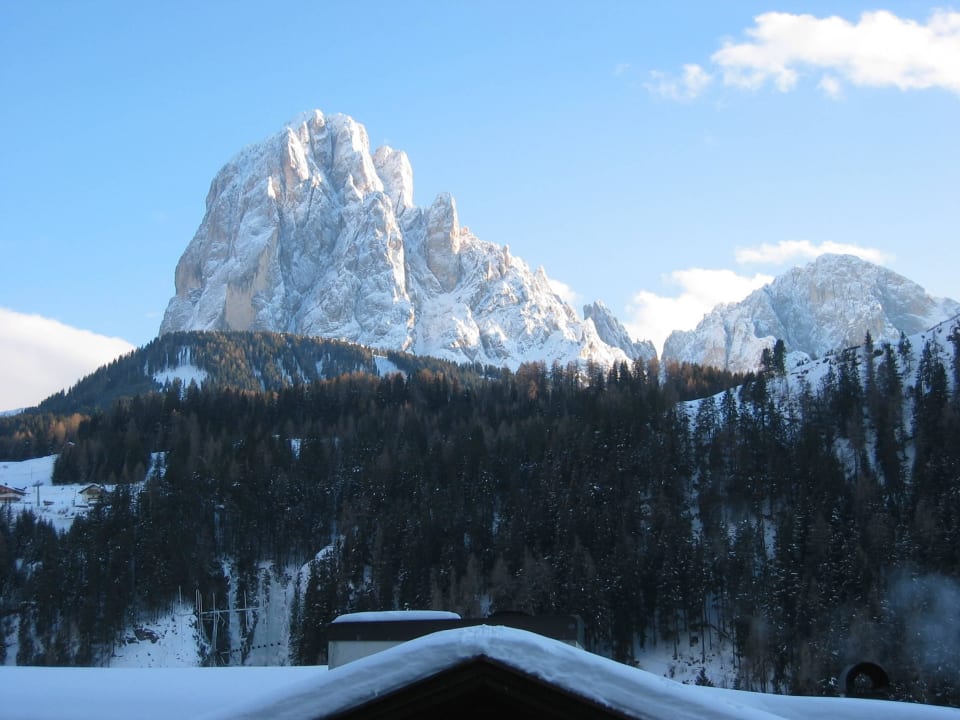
(58,504)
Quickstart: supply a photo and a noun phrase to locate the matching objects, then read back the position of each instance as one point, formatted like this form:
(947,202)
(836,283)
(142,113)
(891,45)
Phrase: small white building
(357,635)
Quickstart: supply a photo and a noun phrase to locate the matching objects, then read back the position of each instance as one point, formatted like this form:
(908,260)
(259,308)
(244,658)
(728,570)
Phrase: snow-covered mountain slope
(787,391)
(311,233)
(613,333)
(829,304)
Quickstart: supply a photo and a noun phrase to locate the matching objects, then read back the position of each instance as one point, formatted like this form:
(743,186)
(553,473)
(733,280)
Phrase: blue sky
(658,156)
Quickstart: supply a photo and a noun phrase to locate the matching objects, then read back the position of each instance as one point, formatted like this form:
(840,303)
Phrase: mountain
(827,305)
(613,333)
(311,233)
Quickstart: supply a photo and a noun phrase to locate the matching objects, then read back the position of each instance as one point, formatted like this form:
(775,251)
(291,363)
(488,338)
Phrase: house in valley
(11,494)
(92,493)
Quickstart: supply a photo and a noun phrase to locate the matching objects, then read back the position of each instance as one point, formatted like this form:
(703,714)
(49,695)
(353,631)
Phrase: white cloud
(686,87)
(653,317)
(40,356)
(566,293)
(880,50)
(787,251)
(831,87)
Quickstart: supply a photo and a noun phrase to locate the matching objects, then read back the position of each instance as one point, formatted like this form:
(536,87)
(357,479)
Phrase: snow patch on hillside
(692,660)
(168,641)
(268,638)
(187,373)
(386,367)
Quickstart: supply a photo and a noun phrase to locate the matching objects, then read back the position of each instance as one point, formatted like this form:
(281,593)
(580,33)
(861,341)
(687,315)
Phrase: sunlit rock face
(311,233)
(613,332)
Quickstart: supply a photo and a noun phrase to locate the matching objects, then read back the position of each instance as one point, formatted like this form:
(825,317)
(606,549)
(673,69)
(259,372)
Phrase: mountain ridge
(826,305)
(312,233)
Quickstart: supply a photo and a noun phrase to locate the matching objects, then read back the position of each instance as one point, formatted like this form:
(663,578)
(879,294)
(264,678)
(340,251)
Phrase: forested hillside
(252,361)
(244,361)
(809,520)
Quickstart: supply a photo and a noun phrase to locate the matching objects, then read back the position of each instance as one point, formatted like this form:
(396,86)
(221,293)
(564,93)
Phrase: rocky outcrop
(613,332)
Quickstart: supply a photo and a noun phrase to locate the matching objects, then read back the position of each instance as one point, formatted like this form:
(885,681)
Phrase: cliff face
(613,332)
(311,233)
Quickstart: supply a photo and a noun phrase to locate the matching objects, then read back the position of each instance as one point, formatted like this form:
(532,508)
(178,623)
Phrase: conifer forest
(807,523)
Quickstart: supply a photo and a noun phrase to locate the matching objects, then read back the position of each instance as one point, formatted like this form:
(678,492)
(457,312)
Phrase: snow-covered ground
(145,694)
(688,660)
(167,641)
(386,367)
(59,504)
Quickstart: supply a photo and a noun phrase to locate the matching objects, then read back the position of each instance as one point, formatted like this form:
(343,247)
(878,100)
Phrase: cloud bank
(879,50)
(40,356)
(790,251)
(653,317)
(565,292)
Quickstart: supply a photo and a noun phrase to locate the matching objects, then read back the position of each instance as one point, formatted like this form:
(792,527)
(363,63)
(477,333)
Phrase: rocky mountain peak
(613,333)
(394,170)
(309,232)
(443,241)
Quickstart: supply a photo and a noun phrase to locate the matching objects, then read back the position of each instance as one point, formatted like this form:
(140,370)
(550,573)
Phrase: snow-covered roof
(292,693)
(623,689)
(392,615)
